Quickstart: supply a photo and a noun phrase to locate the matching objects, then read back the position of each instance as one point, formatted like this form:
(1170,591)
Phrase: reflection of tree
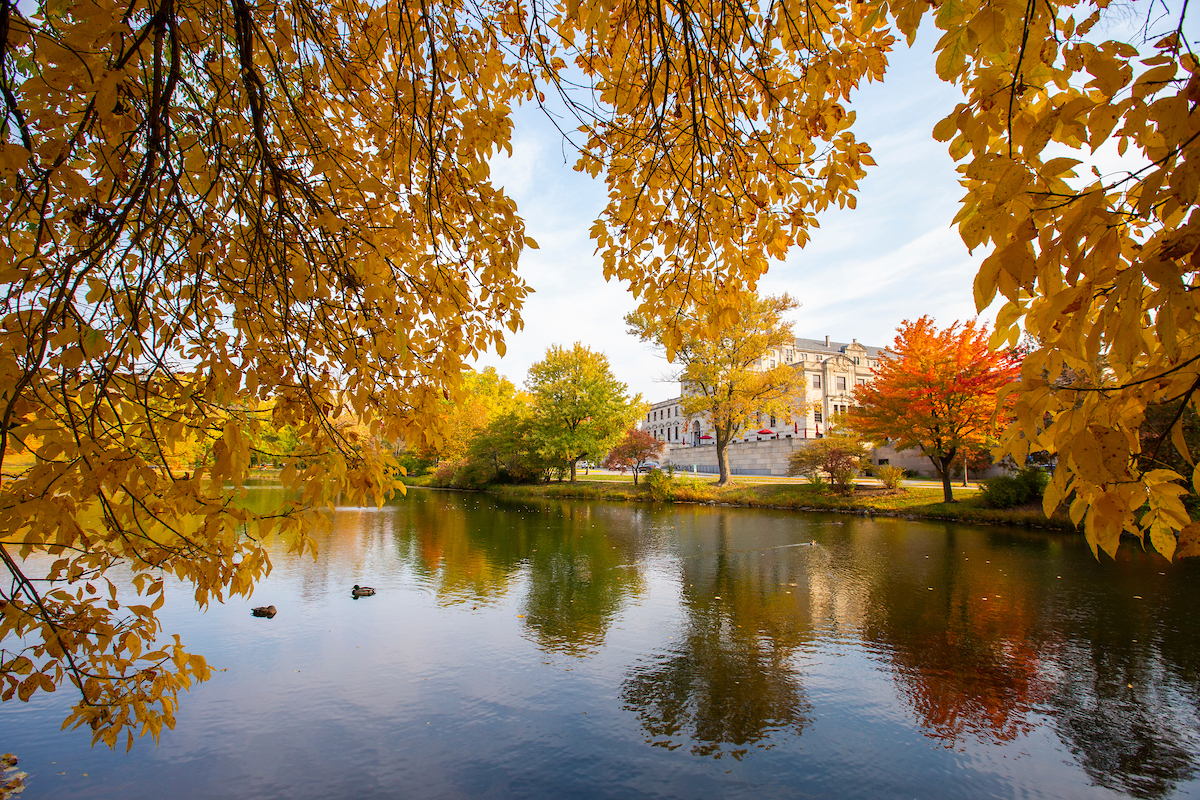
(446,543)
(584,564)
(729,683)
(1115,714)
(1126,701)
(582,561)
(966,654)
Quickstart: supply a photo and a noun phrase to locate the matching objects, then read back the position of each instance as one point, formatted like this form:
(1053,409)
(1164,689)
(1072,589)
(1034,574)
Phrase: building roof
(833,348)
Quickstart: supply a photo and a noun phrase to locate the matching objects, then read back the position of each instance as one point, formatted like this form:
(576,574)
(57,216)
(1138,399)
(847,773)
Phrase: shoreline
(912,503)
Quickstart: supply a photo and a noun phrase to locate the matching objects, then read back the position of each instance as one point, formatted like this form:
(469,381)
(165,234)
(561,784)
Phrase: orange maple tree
(634,452)
(937,391)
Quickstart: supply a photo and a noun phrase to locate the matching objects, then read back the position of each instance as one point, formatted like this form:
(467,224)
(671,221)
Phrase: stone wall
(768,457)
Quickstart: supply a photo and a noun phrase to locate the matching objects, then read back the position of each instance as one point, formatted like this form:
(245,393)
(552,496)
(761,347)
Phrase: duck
(263,611)
(362,591)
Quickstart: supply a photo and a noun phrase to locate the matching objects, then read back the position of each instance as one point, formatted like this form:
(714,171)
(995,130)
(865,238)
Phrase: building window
(841,384)
(677,433)
(816,381)
(817,416)
(772,420)
(862,381)
(856,362)
(883,462)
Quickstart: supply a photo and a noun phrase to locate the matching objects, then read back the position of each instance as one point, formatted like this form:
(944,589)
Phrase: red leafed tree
(937,391)
(637,448)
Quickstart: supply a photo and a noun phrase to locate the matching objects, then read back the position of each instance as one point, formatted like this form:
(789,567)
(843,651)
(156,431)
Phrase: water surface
(587,649)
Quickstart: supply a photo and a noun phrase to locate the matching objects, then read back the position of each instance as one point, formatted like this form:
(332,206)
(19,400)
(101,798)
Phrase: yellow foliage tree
(484,395)
(209,205)
(724,378)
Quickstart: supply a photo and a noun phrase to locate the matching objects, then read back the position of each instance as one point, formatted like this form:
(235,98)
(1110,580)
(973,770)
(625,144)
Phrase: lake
(596,650)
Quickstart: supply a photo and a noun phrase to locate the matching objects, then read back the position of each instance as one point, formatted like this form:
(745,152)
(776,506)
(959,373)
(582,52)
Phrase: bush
(470,474)
(837,455)
(444,474)
(661,482)
(1007,491)
(892,477)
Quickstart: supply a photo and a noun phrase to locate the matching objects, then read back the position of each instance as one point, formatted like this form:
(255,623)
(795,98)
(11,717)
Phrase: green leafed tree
(580,410)
(723,376)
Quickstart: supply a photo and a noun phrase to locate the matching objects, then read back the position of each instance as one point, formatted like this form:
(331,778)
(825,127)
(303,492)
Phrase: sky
(895,257)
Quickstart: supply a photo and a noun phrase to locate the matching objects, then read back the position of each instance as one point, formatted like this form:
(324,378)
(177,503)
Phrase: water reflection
(854,655)
(964,640)
(978,640)
(729,682)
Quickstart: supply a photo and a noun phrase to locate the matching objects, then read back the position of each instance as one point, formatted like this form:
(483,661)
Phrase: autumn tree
(937,391)
(837,455)
(484,395)
(633,452)
(579,409)
(724,376)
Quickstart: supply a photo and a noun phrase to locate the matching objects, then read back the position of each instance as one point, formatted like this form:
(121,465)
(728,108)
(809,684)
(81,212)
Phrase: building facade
(831,371)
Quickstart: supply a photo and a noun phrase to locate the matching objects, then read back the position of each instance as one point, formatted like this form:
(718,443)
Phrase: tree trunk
(572,470)
(964,468)
(635,474)
(722,461)
(943,466)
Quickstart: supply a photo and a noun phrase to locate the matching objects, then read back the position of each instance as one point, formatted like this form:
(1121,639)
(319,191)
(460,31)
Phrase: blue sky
(895,257)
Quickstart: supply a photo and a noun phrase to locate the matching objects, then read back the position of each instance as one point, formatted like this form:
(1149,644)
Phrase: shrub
(1007,491)
(891,476)
(661,482)
(444,474)
(413,463)
(469,474)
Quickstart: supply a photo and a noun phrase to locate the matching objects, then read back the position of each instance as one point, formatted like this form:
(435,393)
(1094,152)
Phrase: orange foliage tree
(634,452)
(937,392)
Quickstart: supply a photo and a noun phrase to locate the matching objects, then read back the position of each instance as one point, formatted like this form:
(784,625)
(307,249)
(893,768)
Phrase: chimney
(827,341)
(855,341)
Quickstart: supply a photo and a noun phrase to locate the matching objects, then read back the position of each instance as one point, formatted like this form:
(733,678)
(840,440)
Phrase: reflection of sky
(530,649)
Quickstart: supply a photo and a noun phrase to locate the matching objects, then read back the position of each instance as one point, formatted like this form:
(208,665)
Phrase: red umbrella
(706,436)
(765,432)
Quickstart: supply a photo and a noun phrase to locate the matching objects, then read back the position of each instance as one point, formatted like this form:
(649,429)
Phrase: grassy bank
(923,502)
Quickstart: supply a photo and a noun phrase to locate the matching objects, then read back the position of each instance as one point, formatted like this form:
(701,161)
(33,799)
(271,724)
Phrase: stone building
(831,370)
